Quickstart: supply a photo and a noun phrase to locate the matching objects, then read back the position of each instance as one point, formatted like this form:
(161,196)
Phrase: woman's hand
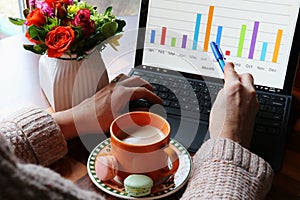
(95,114)
(233,113)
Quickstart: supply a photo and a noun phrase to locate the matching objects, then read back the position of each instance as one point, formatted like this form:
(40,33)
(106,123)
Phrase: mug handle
(175,162)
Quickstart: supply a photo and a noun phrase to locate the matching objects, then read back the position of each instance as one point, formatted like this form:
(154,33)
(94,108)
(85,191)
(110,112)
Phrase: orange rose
(59,40)
(36,17)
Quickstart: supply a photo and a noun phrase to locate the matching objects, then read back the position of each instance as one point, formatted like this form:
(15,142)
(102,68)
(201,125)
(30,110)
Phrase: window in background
(9,8)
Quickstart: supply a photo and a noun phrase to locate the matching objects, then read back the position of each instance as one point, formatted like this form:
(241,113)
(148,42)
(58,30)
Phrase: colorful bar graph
(163,35)
(196,32)
(152,38)
(277,46)
(221,32)
(242,40)
(263,51)
(173,42)
(253,40)
(208,28)
(219,35)
(184,40)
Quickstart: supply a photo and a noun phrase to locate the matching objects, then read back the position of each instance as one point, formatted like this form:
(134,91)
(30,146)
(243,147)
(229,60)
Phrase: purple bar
(253,40)
(184,39)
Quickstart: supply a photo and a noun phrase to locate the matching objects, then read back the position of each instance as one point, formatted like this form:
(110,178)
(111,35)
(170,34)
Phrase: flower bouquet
(58,27)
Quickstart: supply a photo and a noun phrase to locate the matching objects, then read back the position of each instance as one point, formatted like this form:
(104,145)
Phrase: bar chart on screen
(255,34)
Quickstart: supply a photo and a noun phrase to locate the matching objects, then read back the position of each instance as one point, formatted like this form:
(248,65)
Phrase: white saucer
(116,189)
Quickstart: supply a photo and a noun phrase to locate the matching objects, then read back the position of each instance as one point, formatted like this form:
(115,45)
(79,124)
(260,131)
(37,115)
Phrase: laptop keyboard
(269,117)
(188,98)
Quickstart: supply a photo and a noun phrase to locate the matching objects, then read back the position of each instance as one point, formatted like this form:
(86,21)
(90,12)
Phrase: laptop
(173,54)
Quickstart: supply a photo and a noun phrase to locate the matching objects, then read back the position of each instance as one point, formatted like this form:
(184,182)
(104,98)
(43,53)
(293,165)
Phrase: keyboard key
(269,123)
(277,110)
(277,103)
(166,102)
(196,88)
(194,101)
(265,108)
(205,90)
(163,89)
(197,109)
(155,87)
(273,131)
(205,103)
(260,129)
(271,116)
(175,105)
(206,111)
(163,95)
(186,107)
(164,82)
(138,73)
(204,117)
(205,97)
(262,101)
(184,99)
(184,93)
(172,97)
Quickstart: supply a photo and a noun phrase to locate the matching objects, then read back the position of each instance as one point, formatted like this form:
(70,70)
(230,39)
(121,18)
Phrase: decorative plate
(115,188)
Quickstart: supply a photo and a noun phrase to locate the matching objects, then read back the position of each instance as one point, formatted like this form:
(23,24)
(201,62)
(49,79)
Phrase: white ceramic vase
(66,82)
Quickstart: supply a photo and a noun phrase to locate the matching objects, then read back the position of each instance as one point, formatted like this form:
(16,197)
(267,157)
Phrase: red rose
(83,20)
(36,17)
(59,40)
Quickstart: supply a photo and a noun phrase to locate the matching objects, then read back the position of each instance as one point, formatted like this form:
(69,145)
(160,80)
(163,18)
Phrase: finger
(230,74)
(144,93)
(247,80)
(135,81)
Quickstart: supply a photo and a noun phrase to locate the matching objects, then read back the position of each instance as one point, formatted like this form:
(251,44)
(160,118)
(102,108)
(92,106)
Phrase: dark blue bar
(152,39)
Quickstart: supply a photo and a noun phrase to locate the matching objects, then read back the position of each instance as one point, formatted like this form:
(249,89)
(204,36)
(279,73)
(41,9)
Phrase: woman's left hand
(95,114)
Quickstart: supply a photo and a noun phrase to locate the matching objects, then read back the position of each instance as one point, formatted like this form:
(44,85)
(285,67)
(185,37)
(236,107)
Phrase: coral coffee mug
(140,144)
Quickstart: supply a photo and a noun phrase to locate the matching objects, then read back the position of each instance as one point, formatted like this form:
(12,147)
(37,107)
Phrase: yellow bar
(277,45)
(208,27)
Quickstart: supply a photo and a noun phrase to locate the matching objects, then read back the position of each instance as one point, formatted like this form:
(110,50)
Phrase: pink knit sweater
(222,169)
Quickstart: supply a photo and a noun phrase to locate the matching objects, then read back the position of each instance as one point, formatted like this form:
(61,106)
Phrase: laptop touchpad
(190,133)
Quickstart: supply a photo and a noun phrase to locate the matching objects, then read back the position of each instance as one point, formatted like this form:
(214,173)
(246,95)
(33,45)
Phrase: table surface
(20,87)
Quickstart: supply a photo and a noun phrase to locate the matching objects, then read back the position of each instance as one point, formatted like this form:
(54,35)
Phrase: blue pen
(218,55)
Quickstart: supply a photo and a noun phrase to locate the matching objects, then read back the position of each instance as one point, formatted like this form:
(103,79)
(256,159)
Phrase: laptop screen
(256,35)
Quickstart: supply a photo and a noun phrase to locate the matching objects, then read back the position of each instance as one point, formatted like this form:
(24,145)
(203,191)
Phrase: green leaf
(16,21)
(107,11)
(37,33)
(121,25)
(38,49)
(109,29)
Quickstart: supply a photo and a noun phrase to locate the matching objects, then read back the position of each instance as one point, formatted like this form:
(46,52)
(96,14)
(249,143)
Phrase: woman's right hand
(233,113)
(95,114)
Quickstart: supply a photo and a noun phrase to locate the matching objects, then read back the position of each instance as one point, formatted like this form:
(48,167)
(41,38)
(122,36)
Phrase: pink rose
(82,19)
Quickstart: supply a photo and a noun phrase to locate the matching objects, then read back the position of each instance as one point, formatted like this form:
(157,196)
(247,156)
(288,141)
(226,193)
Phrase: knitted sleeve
(223,169)
(34,136)
(28,181)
